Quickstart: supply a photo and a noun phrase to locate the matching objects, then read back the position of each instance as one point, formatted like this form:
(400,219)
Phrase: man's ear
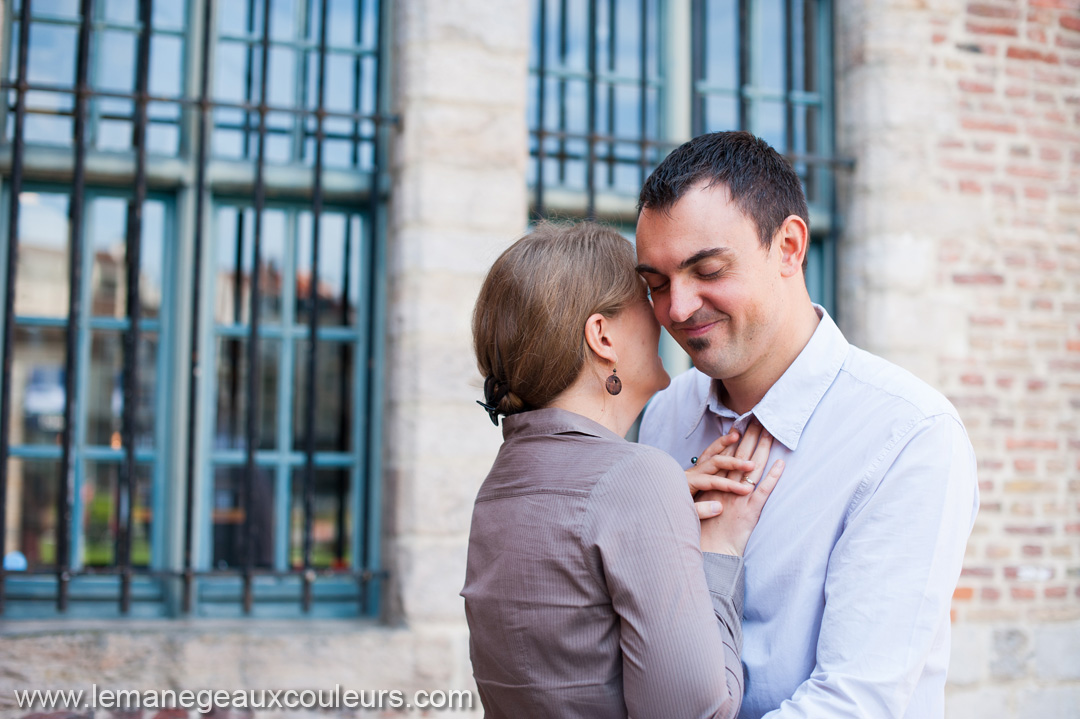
(792,240)
(598,336)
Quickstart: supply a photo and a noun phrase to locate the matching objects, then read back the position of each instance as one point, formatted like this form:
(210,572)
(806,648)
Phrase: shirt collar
(552,420)
(787,406)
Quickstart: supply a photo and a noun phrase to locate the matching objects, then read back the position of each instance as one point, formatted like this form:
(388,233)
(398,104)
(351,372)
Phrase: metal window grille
(176,131)
(617,84)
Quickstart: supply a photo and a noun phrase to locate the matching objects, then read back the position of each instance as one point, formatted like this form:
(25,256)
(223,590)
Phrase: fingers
(708,510)
(746,447)
(766,486)
(760,458)
(749,441)
(719,445)
(721,483)
(725,463)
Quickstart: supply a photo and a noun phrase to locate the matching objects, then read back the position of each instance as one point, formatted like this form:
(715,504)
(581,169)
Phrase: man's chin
(696,344)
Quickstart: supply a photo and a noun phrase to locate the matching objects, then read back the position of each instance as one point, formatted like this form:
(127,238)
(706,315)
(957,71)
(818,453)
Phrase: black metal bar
(249,76)
(643,89)
(234,344)
(564,45)
(358,38)
(744,64)
(590,112)
(699,50)
(612,52)
(541,97)
(313,317)
(196,300)
(789,72)
(18,145)
(127,480)
(249,528)
(344,423)
(75,230)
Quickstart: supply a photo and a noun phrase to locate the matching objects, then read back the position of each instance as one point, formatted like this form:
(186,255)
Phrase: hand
(719,468)
(729,533)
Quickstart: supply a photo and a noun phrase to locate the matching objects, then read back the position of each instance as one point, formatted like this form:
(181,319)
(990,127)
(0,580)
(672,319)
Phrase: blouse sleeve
(679,610)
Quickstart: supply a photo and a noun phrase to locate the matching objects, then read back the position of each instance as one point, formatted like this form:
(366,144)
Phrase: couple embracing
(785,538)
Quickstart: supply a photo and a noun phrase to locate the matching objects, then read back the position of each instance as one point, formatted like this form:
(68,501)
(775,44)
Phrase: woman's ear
(598,336)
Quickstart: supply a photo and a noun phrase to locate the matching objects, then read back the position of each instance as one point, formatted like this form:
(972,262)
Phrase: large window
(192,318)
(616,84)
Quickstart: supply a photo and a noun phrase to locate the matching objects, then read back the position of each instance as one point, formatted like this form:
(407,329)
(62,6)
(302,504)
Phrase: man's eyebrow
(691,260)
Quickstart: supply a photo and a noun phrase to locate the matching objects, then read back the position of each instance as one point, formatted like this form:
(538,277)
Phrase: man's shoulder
(879,381)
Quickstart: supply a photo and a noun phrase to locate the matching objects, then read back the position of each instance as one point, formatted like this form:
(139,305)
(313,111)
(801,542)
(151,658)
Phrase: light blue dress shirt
(851,569)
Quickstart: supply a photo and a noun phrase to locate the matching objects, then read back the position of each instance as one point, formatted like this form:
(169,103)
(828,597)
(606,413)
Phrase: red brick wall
(1016,69)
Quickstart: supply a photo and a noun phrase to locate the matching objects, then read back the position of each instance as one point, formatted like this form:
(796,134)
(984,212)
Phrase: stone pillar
(458,198)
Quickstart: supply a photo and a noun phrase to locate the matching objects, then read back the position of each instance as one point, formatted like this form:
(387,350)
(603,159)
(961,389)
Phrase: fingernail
(715,507)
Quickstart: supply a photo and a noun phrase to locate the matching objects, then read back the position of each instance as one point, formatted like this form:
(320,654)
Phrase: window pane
(100,491)
(48,118)
(235,248)
(51,60)
(121,11)
(55,8)
(41,276)
(228,518)
(105,390)
(721,113)
(339,268)
(32,489)
(166,63)
(768,121)
(333,396)
(115,61)
(722,43)
(331,524)
(108,243)
(232,371)
(37,386)
(768,70)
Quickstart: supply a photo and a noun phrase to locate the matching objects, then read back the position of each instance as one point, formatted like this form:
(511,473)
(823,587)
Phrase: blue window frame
(166,507)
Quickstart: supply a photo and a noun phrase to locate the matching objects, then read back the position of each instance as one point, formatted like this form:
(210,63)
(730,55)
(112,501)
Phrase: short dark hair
(763,185)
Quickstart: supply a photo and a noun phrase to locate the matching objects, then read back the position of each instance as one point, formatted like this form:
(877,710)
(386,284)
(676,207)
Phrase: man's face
(714,287)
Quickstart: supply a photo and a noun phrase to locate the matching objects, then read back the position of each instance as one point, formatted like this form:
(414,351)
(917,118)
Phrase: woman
(586,590)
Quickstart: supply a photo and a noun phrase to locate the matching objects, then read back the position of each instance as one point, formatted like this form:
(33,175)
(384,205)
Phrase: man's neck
(742,393)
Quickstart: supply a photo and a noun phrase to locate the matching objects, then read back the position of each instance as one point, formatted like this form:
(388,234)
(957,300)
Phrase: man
(850,572)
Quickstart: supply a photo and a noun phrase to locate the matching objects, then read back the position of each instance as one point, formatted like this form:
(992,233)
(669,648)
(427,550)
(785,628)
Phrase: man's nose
(684,302)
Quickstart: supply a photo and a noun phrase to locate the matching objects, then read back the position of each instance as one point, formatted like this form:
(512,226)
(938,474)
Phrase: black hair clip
(494,391)
(493,412)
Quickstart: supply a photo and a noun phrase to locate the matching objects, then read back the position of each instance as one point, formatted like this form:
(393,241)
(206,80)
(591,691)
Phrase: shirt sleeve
(679,634)
(891,577)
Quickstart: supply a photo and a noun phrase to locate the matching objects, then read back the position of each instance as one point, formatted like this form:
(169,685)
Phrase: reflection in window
(288,295)
(331,520)
(229,542)
(38,386)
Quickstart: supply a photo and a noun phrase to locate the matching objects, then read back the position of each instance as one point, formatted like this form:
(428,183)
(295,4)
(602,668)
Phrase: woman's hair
(529,320)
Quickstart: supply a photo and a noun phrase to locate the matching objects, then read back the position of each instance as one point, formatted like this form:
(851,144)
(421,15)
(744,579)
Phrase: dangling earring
(613,383)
